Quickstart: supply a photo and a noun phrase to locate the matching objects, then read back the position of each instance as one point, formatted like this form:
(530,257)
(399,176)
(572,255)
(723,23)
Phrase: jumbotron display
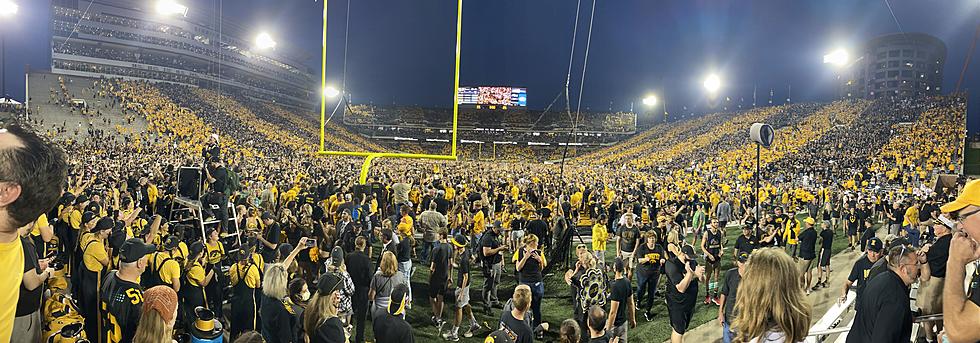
(502,96)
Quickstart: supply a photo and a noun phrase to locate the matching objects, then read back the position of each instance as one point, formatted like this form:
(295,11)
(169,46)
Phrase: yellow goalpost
(370,156)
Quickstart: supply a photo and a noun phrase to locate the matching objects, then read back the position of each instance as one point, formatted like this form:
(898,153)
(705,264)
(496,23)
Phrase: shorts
(825,258)
(464,299)
(852,231)
(710,267)
(517,236)
(629,260)
(805,265)
(621,331)
(680,318)
(930,296)
(437,288)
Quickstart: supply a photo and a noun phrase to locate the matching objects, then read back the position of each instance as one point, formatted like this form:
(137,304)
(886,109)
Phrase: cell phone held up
(311,242)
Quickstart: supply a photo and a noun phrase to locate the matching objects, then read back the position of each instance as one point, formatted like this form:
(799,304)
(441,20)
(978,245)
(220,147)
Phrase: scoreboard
(493,96)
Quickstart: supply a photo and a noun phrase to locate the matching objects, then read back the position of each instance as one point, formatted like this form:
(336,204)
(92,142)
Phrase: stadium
(304,171)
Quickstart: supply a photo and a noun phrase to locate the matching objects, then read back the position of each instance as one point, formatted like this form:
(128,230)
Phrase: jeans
(646,284)
(492,280)
(726,332)
(406,269)
(424,254)
(537,292)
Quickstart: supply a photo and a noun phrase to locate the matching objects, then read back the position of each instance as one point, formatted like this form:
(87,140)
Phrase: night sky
(402,51)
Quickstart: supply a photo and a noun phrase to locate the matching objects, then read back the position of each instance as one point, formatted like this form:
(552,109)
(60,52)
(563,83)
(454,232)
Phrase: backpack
(59,311)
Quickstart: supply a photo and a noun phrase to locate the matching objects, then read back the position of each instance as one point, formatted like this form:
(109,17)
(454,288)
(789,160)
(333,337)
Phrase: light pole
(649,101)
(839,59)
(762,135)
(8,9)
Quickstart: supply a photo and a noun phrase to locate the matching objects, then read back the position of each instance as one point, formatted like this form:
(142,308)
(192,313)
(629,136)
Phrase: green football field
(557,303)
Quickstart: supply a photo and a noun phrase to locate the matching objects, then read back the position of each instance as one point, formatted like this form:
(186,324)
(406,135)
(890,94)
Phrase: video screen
(500,96)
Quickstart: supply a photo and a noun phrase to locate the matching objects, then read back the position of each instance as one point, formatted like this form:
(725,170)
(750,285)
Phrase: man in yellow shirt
(479,219)
(599,236)
(911,216)
(95,263)
(33,173)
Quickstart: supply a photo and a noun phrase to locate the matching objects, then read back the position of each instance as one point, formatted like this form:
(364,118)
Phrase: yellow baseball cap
(809,220)
(969,196)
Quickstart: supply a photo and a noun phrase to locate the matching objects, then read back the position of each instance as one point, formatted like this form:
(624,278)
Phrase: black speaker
(360,190)
(189,182)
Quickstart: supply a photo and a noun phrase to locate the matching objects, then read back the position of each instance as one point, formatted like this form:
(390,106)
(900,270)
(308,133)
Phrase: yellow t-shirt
(195,276)
(599,237)
(167,269)
(94,251)
(11,254)
(911,216)
(250,272)
(41,221)
(405,225)
(479,222)
(215,252)
(75,219)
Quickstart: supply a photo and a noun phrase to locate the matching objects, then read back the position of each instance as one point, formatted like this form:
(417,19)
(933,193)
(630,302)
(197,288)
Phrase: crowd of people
(308,254)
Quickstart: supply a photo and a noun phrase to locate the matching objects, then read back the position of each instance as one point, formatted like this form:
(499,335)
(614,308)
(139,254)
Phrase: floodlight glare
(712,83)
(838,57)
(170,7)
(331,92)
(264,41)
(8,8)
(650,100)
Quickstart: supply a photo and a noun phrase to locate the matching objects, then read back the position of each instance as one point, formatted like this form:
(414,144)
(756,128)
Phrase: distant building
(898,64)
(128,39)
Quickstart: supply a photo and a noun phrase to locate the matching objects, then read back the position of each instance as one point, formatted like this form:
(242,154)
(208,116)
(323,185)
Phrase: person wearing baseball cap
(683,275)
(962,313)
(391,326)
(245,278)
(861,270)
(321,320)
(122,293)
(90,272)
(729,294)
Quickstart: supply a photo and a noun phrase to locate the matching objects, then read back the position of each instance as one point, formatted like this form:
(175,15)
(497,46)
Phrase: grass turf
(557,305)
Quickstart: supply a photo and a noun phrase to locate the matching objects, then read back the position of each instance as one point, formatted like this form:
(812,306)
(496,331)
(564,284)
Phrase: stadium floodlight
(838,58)
(331,92)
(264,41)
(171,7)
(8,8)
(650,100)
(712,83)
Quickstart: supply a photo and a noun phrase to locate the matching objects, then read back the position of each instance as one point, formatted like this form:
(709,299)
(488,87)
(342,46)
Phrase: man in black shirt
(808,253)
(861,269)
(621,304)
(390,326)
(650,258)
(217,176)
(629,234)
(513,322)
(439,277)
(852,223)
(729,293)
(929,298)
(712,247)
(360,270)
(895,216)
(683,275)
(745,243)
(597,322)
(537,226)
(121,294)
(404,258)
(461,262)
(826,245)
(270,239)
(884,314)
(863,215)
(493,266)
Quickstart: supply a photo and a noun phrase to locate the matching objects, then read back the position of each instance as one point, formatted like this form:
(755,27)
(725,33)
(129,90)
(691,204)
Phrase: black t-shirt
(750,222)
(122,303)
(627,238)
(440,257)
(621,292)
(860,272)
(359,269)
(899,215)
(808,244)
(538,228)
(675,274)
(730,290)
(29,301)
(883,315)
(531,272)
(220,175)
(655,255)
(517,330)
(391,328)
(492,241)
(272,234)
(853,221)
(938,255)
(331,331)
(404,250)
(518,224)
(826,239)
(463,267)
(601,339)
(277,321)
(746,244)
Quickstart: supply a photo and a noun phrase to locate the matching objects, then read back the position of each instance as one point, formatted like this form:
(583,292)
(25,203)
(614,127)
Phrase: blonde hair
(770,299)
(530,238)
(318,310)
(275,281)
(152,329)
(588,260)
(389,265)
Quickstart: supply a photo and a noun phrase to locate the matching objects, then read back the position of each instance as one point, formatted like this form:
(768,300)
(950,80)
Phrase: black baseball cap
(267,216)
(327,284)
(88,216)
(875,244)
(688,250)
(134,249)
(105,223)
